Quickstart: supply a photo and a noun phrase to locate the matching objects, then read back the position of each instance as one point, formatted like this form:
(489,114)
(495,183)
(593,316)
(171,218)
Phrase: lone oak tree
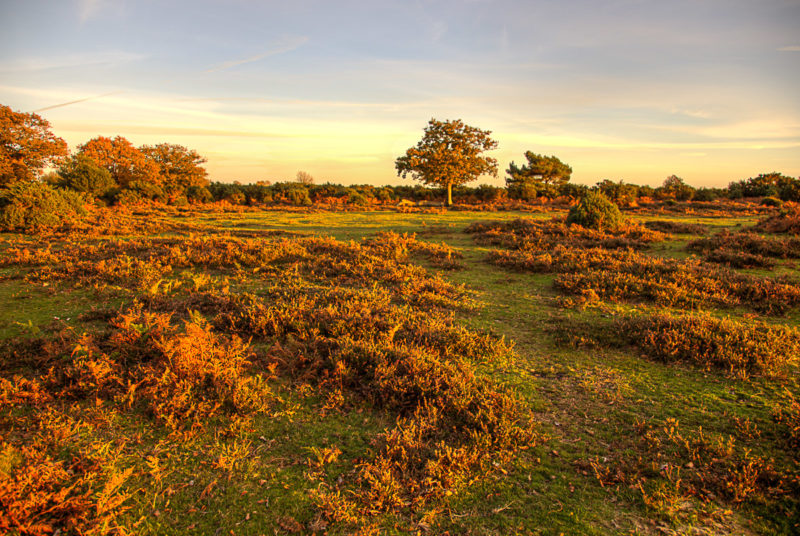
(448,155)
(26,146)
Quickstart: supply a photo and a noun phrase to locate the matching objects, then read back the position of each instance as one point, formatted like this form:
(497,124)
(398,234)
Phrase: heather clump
(737,347)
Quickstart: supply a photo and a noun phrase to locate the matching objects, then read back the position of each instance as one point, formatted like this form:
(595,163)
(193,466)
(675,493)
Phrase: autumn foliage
(27,146)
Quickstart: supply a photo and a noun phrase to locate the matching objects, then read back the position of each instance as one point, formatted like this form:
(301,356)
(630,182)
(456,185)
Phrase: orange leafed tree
(125,162)
(448,155)
(178,167)
(27,146)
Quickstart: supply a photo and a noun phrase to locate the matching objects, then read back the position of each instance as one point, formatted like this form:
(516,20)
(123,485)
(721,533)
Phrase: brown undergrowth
(626,275)
(676,227)
(785,222)
(358,321)
(682,474)
(741,348)
(543,235)
(746,249)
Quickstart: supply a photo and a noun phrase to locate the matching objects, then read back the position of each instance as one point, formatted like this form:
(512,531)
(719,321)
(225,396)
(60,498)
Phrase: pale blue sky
(630,89)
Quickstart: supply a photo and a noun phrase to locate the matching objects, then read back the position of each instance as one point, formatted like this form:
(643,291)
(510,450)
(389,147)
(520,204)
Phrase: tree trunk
(449,195)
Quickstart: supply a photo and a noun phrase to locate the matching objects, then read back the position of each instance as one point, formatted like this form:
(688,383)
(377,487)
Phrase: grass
(591,399)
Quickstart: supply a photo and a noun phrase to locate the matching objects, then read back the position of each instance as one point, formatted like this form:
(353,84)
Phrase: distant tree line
(113,170)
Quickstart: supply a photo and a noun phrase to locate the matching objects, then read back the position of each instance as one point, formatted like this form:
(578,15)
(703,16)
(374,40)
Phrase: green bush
(357,199)
(36,206)
(148,190)
(199,194)
(83,175)
(298,196)
(595,211)
(771,202)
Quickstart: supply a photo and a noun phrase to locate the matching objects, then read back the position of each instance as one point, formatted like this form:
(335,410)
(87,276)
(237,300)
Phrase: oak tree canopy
(449,154)
(27,146)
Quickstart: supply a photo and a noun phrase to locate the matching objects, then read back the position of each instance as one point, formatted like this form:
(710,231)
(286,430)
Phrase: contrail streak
(77,101)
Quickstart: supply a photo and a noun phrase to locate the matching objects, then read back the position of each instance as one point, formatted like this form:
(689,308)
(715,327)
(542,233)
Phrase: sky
(632,90)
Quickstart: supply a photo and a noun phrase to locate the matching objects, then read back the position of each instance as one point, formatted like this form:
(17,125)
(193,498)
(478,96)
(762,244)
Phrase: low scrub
(676,227)
(787,414)
(682,473)
(785,222)
(37,207)
(740,348)
(626,275)
(749,243)
(358,322)
(544,235)
(738,259)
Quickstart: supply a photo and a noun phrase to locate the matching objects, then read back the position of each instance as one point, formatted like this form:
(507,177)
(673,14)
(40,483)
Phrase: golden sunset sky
(632,89)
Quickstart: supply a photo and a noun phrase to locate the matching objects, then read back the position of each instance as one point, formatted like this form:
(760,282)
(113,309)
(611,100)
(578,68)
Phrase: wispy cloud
(793,48)
(110,57)
(88,9)
(286,45)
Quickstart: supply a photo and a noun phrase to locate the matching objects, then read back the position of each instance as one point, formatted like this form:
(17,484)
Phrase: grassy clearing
(621,443)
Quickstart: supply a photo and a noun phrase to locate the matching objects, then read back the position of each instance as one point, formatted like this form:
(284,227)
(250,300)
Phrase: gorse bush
(595,211)
(36,207)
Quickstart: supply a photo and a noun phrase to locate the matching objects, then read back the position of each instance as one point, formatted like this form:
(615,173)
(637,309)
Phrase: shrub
(298,196)
(198,194)
(595,211)
(148,190)
(35,206)
(771,202)
(357,199)
(82,174)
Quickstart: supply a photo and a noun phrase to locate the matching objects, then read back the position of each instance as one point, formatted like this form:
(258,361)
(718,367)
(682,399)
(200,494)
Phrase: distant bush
(35,206)
(708,194)
(772,184)
(358,199)
(198,194)
(298,196)
(595,211)
(771,202)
